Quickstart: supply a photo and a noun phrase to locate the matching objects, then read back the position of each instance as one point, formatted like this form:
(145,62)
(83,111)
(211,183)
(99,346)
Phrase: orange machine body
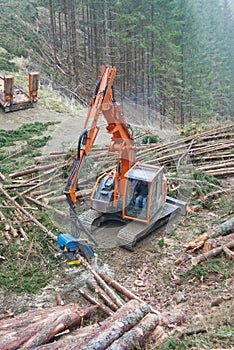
(113,190)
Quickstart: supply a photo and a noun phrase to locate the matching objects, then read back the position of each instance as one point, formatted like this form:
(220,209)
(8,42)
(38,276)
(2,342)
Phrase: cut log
(67,320)
(40,184)
(102,283)
(36,327)
(36,169)
(224,229)
(216,193)
(42,205)
(49,158)
(116,329)
(2,177)
(95,288)
(228,251)
(57,199)
(92,300)
(137,334)
(8,226)
(75,339)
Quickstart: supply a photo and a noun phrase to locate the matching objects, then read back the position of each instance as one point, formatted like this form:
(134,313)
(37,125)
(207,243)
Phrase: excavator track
(133,232)
(91,218)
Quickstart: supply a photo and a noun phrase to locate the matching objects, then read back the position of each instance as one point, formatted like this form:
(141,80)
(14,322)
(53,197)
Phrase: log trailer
(13,97)
(113,194)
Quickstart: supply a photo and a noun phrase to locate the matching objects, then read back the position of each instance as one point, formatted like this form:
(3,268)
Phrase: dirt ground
(191,299)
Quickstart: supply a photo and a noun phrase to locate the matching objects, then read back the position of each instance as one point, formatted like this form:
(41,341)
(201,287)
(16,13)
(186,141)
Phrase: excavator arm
(121,143)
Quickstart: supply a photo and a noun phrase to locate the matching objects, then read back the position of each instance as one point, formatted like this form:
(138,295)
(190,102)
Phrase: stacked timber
(127,323)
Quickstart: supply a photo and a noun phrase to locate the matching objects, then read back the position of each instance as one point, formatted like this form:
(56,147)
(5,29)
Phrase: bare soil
(188,298)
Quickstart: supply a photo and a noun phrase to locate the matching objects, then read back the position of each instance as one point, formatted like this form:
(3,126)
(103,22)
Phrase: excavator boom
(121,143)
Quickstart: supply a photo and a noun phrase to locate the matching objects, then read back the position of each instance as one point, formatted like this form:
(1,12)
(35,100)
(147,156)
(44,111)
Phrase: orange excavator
(114,196)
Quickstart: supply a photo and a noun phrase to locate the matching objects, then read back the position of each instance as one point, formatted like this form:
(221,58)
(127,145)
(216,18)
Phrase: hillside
(190,299)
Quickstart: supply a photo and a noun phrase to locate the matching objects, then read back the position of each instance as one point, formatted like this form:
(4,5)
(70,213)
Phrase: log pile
(210,152)
(127,323)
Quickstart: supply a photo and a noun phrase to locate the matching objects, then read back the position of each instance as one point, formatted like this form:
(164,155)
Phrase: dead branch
(42,227)
(212,253)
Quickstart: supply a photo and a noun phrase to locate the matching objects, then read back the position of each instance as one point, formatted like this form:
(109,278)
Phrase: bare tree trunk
(54,35)
(74,41)
(67,34)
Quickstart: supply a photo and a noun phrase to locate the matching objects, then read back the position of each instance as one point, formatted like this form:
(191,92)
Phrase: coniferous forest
(175,58)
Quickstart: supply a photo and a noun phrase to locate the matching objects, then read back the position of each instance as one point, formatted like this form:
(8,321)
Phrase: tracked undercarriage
(130,232)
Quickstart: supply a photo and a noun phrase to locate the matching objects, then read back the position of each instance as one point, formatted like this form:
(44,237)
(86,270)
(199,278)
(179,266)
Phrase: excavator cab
(145,192)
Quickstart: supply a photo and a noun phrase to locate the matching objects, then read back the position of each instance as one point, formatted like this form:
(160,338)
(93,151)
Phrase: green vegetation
(150,139)
(205,183)
(5,62)
(25,133)
(28,265)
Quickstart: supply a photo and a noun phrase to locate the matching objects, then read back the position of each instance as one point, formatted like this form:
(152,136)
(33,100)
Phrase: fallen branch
(42,227)
(210,254)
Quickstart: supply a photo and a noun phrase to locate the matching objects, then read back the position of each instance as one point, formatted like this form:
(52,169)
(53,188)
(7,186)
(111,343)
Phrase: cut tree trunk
(137,334)
(95,288)
(31,329)
(115,330)
(77,342)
